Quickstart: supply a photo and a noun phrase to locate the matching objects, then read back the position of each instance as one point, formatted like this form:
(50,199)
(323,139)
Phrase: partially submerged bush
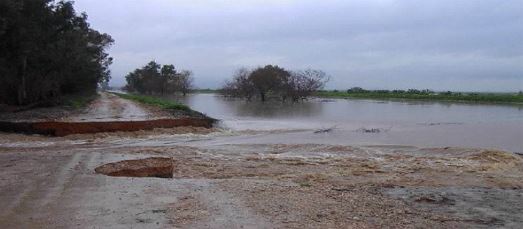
(275,81)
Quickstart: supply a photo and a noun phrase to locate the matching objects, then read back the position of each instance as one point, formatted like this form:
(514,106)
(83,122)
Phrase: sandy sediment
(259,186)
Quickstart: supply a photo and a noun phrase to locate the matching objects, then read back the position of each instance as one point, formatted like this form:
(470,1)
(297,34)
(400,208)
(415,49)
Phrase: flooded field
(436,124)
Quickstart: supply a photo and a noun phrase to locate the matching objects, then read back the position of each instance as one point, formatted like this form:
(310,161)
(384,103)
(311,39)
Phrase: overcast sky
(437,44)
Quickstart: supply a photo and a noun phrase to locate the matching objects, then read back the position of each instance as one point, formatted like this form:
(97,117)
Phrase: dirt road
(109,107)
(106,107)
(59,189)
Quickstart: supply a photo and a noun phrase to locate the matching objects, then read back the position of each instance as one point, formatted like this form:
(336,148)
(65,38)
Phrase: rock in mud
(149,167)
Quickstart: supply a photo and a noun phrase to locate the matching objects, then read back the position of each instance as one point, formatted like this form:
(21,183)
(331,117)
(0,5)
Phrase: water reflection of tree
(274,108)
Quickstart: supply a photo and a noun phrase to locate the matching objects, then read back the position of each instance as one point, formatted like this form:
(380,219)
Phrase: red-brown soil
(161,167)
(68,128)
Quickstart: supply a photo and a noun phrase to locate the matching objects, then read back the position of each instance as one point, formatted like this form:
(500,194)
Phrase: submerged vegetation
(415,94)
(273,81)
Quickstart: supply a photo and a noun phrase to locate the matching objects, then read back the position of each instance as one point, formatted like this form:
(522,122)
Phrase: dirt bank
(148,167)
(68,128)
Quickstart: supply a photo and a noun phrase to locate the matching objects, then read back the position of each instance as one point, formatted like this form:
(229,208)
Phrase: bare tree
(184,82)
(240,86)
(303,84)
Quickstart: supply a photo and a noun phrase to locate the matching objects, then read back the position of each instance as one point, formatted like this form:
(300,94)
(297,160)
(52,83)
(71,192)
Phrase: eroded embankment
(67,128)
(148,167)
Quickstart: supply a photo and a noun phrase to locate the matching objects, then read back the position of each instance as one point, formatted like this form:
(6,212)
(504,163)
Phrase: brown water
(416,123)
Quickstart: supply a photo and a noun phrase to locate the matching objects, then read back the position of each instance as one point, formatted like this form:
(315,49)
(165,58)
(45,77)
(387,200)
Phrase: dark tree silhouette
(267,79)
(154,78)
(48,50)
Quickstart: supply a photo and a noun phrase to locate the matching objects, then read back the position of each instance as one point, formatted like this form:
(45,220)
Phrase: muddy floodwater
(417,123)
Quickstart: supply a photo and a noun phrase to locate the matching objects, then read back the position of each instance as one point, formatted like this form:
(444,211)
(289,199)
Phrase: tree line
(154,78)
(275,82)
(359,90)
(48,50)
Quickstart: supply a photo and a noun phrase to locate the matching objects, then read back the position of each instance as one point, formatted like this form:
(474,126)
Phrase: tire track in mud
(64,177)
(110,107)
(8,208)
(40,195)
(94,160)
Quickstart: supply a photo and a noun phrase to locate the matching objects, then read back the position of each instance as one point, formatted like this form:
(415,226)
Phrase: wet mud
(160,167)
(474,205)
(68,128)
(254,185)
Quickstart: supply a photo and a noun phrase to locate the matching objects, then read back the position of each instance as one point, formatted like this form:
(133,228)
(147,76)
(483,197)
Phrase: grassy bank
(155,101)
(174,108)
(77,101)
(516,98)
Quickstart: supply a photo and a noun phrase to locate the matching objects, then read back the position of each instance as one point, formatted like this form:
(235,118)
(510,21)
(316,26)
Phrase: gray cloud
(437,44)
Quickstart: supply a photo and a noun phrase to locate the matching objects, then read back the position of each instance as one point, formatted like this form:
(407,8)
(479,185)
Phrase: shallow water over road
(418,123)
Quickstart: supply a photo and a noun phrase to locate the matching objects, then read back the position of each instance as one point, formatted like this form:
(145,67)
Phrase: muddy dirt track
(110,107)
